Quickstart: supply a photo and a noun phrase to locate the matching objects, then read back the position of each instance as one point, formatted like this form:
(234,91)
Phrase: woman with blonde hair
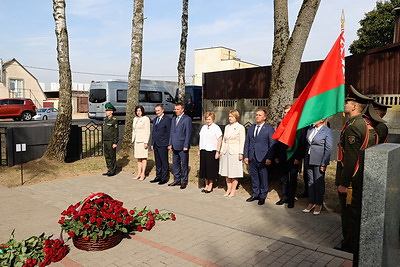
(231,154)
(209,147)
(140,138)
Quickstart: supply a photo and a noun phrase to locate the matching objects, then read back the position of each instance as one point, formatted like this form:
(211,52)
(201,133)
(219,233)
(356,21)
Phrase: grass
(40,170)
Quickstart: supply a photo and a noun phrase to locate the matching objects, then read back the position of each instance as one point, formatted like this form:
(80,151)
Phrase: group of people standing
(224,153)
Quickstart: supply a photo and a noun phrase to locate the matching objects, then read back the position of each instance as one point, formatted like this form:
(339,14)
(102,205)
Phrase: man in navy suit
(179,143)
(258,153)
(159,144)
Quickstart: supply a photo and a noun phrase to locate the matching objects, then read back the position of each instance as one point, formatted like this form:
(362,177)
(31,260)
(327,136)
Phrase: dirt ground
(40,170)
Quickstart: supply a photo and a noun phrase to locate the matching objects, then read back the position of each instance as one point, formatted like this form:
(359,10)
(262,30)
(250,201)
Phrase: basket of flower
(100,222)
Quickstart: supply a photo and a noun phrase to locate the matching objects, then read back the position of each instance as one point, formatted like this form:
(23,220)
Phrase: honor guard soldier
(357,134)
(381,128)
(110,139)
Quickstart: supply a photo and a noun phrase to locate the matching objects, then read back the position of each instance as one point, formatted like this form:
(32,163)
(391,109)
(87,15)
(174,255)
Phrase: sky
(100,34)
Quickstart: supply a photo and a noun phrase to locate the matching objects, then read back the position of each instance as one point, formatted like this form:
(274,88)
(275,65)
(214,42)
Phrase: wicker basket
(100,244)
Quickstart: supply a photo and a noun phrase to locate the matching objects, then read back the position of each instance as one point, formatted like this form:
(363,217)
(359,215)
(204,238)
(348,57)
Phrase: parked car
(46,114)
(17,109)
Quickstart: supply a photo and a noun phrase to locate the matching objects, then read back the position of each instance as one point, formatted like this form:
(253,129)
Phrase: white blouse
(209,137)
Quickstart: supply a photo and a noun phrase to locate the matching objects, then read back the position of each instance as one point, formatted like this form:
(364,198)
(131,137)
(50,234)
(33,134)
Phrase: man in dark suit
(179,143)
(258,153)
(159,144)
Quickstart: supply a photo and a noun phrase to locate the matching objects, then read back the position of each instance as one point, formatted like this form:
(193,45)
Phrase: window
(16,88)
(15,102)
(3,102)
(155,97)
(122,96)
(168,97)
(97,95)
(143,97)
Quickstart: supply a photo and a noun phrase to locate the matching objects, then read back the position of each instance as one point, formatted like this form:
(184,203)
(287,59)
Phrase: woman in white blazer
(231,154)
(140,139)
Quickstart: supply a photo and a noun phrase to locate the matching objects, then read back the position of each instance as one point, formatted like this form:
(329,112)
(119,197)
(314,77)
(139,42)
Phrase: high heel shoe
(226,194)
(309,210)
(317,212)
(208,191)
(142,178)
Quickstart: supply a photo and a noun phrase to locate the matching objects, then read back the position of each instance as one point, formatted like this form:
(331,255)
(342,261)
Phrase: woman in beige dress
(231,156)
(140,138)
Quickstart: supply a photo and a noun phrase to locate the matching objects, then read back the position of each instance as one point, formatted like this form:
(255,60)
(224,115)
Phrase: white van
(115,92)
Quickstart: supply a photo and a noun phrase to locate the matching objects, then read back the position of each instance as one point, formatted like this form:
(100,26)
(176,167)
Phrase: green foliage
(376,28)
(18,252)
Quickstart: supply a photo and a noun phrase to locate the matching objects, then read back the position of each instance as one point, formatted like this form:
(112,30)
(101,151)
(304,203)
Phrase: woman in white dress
(231,154)
(140,138)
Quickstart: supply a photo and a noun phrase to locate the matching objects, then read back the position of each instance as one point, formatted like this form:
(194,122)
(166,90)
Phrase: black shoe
(251,199)
(203,190)
(162,182)
(207,192)
(183,185)
(290,205)
(155,180)
(174,184)
(261,201)
(304,195)
(111,174)
(281,202)
(106,173)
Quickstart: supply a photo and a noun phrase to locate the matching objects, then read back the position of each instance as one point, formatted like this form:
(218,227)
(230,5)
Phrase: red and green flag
(322,97)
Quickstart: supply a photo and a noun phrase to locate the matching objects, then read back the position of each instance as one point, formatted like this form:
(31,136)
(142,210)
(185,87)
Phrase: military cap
(380,106)
(371,114)
(109,107)
(356,96)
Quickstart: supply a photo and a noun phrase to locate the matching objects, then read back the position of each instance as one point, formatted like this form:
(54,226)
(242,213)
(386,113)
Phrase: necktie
(177,120)
(158,120)
(257,130)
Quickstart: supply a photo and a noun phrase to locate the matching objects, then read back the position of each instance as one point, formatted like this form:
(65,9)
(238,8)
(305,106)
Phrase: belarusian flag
(323,96)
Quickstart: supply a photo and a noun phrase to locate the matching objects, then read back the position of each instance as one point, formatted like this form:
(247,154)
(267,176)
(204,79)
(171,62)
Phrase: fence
(85,141)
(92,140)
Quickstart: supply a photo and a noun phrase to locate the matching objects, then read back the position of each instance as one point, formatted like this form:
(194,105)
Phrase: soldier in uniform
(110,139)
(356,134)
(381,128)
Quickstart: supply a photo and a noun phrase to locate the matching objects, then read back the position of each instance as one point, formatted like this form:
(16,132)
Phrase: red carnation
(82,219)
(86,226)
(71,233)
(92,219)
(131,212)
(156,211)
(111,224)
(139,228)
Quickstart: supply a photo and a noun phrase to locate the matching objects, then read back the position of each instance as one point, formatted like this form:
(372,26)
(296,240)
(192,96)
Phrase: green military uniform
(382,131)
(110,137)
(349,173)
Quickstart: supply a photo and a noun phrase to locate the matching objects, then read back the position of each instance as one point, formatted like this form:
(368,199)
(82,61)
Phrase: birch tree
(182,54)
(135,73)
(57,148)
(287,53)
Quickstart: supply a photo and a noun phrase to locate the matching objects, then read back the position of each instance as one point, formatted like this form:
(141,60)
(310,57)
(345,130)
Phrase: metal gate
(92,136)
(3,147)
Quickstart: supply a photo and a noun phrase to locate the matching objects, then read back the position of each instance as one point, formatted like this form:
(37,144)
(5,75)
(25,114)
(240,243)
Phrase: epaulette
(114,118)
(351,122)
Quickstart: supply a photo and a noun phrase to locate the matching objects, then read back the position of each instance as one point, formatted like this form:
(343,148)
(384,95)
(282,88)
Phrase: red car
(17,109)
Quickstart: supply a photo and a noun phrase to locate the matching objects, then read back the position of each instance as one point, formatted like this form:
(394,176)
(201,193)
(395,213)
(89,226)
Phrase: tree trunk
(57,148)
(182,54)
(284,77)
(135,73)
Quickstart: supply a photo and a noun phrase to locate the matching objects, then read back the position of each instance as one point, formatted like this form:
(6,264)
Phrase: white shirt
(209,137)
(312,135)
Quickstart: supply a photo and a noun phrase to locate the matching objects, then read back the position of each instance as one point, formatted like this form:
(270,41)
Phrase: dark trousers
(289,180)
(180,160)
(259,178)
(351,218)
(316,185)
(162,165)
(110,154)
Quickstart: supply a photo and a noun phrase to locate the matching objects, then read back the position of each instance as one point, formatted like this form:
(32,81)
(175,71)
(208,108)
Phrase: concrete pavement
(210,230)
